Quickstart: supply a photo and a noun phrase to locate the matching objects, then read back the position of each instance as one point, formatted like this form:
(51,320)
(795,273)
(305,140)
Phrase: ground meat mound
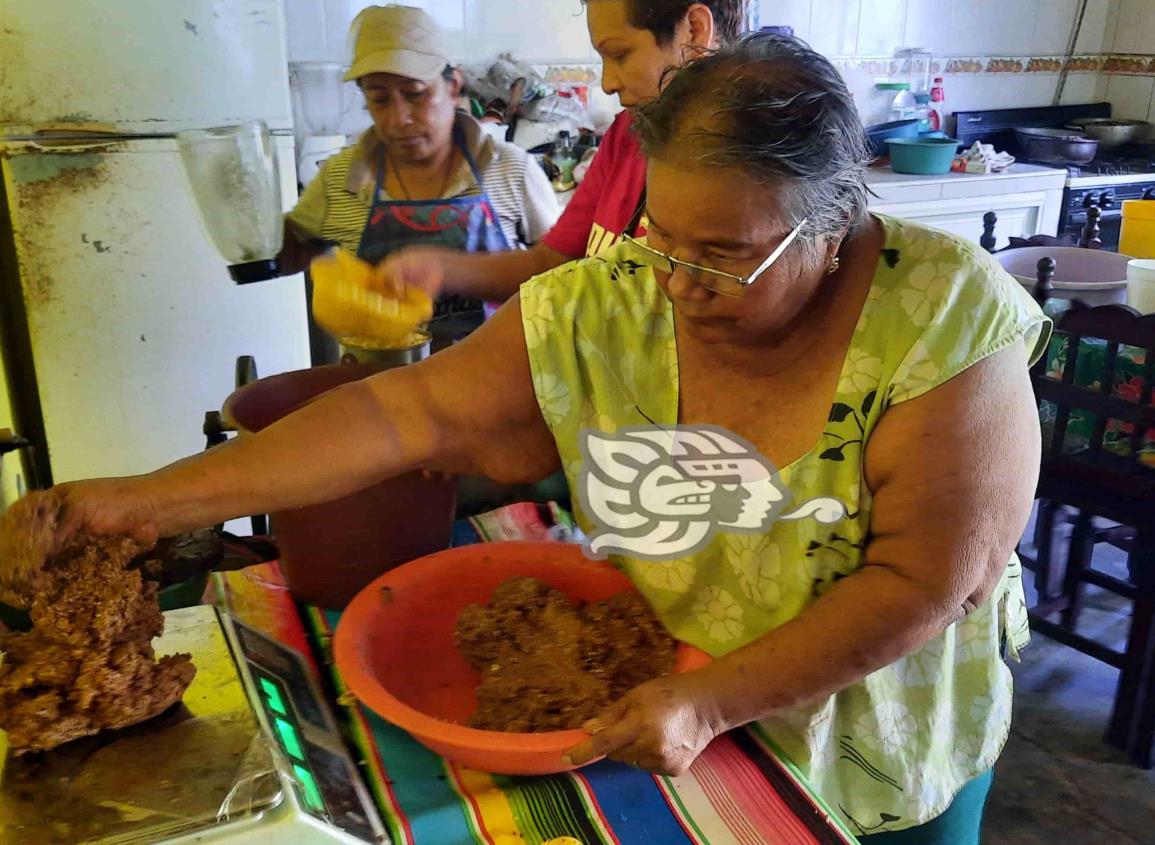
(26,534)
(547,664)
(87,664)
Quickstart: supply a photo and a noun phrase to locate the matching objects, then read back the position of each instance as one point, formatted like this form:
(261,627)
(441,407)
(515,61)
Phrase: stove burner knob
(1090,200)
(1107,200)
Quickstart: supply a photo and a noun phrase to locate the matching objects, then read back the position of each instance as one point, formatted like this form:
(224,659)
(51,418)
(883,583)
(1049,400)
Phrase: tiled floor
(1057,781)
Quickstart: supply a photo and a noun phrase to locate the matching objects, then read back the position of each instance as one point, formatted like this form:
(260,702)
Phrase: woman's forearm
(343,442)
(298,250)
(496,276)
(867,621)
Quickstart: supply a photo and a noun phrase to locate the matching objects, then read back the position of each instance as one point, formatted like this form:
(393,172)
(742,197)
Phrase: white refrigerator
(119,324)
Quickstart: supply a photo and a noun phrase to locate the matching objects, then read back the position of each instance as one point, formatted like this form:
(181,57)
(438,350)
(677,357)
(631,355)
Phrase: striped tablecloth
(738,792)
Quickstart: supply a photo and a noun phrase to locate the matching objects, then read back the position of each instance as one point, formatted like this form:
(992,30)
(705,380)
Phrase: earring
(832,268)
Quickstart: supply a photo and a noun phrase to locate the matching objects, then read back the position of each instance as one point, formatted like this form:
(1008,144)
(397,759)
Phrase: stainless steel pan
(1057,146)
(1111,132)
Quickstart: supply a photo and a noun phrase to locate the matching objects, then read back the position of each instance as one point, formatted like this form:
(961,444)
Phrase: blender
(233,174)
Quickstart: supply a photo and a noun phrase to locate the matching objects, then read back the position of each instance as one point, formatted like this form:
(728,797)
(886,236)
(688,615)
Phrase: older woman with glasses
(806,432)
(711,278)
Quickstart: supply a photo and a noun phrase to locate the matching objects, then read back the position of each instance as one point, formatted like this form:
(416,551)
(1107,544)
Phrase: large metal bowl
(1112,132)
(1057,146)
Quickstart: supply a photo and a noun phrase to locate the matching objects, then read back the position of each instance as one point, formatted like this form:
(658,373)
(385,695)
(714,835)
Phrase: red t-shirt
(606,199)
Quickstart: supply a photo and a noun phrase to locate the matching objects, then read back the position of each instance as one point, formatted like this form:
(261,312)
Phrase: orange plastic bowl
(394,648)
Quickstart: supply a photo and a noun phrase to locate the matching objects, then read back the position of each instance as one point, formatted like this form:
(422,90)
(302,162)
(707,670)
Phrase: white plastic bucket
(1141,285)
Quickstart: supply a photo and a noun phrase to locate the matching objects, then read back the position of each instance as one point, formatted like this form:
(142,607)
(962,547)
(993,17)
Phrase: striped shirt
(335,205)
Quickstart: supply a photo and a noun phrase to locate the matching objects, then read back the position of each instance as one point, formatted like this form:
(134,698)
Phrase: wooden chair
(1051,517)
(1087,239)
(1099,481)
(217,431)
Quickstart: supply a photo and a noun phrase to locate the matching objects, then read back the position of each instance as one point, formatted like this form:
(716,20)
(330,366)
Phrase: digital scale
(253,755)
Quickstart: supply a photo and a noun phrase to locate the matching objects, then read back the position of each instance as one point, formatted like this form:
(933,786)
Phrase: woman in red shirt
(638,40)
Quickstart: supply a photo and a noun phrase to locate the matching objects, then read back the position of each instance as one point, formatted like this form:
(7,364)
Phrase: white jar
(1141,285)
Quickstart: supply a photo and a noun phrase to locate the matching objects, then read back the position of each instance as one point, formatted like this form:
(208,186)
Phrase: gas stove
(1124,166)
(1125,173)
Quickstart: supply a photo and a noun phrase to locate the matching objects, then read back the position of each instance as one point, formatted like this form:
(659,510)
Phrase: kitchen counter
(1027,198)
(1018,177)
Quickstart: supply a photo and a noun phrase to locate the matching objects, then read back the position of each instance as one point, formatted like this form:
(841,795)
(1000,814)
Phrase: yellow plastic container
(1137,238)
(348,303)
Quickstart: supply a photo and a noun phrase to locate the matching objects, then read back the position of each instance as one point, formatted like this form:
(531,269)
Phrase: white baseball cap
(403,40)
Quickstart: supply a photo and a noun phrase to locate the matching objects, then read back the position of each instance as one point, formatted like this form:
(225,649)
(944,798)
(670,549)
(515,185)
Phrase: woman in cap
(424,173)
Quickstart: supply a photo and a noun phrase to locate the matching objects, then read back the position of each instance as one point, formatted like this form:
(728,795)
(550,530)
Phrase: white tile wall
(306,31)
(1130,28)
(795,13)
(1098,26)
(834,26)
(1083,88)
(928,26)
(973,27)
(1135,30)
(556,31)
(480,29)
(1052,31)
(881,27)
(1131,96)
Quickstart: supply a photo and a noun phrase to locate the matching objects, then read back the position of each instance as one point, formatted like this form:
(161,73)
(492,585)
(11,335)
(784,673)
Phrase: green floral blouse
(889,752)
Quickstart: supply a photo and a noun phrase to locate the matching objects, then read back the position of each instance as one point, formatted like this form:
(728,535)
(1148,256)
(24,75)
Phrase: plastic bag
(499,78)
(562,109)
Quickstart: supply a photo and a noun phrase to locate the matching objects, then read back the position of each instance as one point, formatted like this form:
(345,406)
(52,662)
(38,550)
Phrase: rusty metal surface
(173,774)
(124,66)
(132,323)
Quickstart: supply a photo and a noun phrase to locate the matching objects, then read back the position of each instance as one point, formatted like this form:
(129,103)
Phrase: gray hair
(773,108)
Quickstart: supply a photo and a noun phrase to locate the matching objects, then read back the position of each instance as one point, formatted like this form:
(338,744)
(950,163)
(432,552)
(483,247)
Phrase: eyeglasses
(719,281)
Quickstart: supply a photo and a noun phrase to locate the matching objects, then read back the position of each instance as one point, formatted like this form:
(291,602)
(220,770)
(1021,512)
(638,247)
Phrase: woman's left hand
(661,725)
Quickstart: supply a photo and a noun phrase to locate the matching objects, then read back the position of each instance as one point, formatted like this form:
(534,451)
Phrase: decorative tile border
(557,73)
(570,74)
(1129,64)
(955,65)
(1045,64)
(1085,64)
(881,67)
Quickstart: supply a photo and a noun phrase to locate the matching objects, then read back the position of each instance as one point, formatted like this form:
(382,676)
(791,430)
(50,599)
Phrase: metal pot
(1057,146)
(1111,132)
(360,352)
(329,551)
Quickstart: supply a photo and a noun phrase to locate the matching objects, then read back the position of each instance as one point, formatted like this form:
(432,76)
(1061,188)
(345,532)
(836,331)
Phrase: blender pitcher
(233,174)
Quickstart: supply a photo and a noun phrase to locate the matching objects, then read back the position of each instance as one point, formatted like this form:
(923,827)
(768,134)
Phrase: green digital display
(273,696)
(309,786)
(288,735)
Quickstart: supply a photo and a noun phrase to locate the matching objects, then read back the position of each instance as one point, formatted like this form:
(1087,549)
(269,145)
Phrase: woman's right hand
(43,523)
(416,266)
